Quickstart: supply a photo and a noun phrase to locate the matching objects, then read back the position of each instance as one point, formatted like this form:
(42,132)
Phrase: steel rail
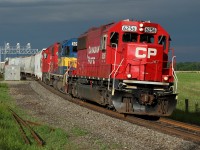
(180,124)
(23,133)
(167,129)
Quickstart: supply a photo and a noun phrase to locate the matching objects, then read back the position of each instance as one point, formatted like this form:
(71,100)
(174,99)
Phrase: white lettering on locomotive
(137,52)
(129,28)
(93,50)
(150,52)
(91,60)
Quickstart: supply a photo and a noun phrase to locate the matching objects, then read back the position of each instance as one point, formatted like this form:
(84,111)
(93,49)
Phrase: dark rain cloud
(42,22)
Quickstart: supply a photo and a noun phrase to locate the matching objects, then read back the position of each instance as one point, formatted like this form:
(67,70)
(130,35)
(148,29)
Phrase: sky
(43,22)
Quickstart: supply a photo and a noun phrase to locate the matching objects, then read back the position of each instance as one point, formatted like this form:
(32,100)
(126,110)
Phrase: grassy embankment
(188,88)
(57,139)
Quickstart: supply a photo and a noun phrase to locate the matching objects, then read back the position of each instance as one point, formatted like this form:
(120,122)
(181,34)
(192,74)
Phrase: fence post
(186,105)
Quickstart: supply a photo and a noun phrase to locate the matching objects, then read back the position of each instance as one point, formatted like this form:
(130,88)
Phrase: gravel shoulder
(102,130)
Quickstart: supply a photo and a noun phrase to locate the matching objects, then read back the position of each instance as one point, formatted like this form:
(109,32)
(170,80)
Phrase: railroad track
(25,124)
(181,125)
(174,128)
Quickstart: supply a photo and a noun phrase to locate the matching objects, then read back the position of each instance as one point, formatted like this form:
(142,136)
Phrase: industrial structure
(14,51)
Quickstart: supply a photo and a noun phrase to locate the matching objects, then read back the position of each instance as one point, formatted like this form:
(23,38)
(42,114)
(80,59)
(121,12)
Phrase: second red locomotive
(125,65)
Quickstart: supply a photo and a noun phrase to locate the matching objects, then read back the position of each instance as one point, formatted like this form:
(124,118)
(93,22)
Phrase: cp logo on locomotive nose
(142,52)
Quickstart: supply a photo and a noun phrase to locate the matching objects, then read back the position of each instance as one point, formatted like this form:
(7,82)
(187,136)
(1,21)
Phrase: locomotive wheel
(60,86)
(46,81)
(55,84)
(75,90)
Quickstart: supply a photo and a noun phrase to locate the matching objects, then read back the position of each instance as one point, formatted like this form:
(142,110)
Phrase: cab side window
(74,48)
(52,51)
(67,50)
(114,38)
(103,42)
(60,51)
(45,56)
(162,41)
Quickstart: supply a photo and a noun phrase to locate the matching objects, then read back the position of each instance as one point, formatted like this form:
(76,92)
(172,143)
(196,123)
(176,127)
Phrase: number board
(150,30)
(129,28)
(74,43)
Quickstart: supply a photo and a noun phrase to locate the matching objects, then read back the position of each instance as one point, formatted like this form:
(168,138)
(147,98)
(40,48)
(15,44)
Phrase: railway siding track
(182,130)
(22,123)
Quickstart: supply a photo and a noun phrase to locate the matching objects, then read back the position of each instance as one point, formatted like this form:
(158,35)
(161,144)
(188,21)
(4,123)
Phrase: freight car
(126,66)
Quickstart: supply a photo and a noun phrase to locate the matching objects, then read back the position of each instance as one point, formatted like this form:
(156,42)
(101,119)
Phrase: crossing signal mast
(18,50)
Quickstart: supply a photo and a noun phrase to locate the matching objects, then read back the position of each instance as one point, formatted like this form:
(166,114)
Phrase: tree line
(188,66)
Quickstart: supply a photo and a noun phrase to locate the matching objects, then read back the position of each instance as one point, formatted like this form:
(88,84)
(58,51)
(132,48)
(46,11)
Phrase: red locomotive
(125,65)
(50,62)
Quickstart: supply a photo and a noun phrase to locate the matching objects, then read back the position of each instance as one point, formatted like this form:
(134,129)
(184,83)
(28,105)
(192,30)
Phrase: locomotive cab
(141,67)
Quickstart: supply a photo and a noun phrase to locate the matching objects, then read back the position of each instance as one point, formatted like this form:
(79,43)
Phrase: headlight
(141,25)
(166,78)
(141,29)
(129,76)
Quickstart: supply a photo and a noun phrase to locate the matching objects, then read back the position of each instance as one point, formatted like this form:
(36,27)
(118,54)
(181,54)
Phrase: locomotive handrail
(114,65)
(174,75)
(66,75)
(113,88)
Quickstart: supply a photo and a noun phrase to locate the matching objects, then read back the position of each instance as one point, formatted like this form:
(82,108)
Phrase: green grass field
(188,88)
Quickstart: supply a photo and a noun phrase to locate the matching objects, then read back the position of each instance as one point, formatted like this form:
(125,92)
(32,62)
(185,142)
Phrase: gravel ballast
(58,112)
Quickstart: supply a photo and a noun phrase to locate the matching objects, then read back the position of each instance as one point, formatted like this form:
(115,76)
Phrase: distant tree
(188,66)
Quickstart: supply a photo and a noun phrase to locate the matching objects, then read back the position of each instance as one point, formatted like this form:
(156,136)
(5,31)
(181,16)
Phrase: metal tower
(13,51)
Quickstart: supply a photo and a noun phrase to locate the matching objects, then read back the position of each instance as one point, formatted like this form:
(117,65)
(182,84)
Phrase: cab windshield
(146,38)
(134,37)
(130,37)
